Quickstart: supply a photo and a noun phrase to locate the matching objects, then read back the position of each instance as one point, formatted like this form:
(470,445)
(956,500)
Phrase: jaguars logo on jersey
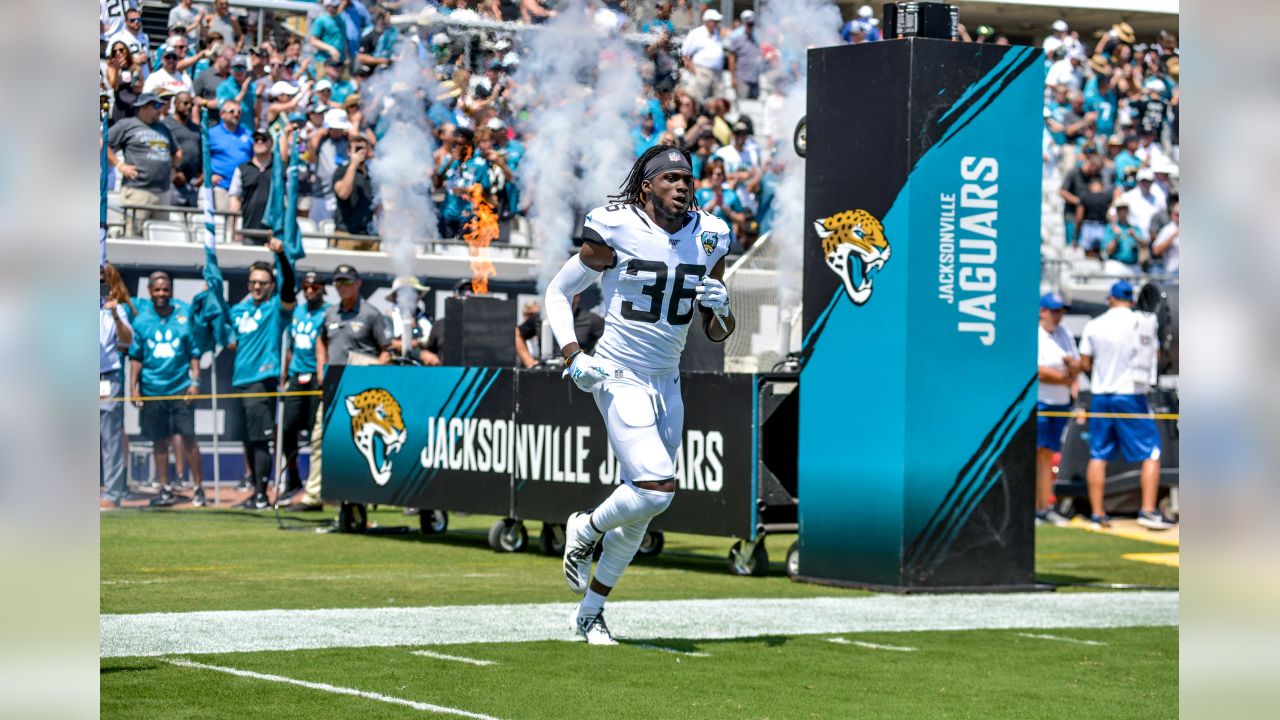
(854,246)
(377,429)
(709,241)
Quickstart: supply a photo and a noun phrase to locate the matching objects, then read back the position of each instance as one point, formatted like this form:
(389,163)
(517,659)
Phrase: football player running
(660,261)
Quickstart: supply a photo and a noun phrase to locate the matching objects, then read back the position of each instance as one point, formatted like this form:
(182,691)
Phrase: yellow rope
(1116,416)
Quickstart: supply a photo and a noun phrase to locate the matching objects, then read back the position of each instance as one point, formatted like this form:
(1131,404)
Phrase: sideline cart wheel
(551,540)
(352,518)
(433,522)
(508,536)
(801,137)
(793,559)
(652,543)
(748,558)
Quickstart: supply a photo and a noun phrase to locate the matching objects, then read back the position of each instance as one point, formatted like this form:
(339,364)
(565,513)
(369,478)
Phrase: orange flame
(479,231)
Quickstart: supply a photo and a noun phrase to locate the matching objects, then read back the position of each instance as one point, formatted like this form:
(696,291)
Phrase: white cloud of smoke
(792,26)
(580,87)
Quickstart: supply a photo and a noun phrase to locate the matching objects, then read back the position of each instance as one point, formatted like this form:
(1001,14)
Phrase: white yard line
(263,630)
(870,645)
(336,689)
(673,651)
(1060,639)
(455,658)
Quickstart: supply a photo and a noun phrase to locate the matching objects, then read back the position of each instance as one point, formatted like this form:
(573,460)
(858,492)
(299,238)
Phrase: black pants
(259,430)
(299,416)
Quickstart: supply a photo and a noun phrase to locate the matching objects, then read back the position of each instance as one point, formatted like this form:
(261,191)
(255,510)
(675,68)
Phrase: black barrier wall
(525,444)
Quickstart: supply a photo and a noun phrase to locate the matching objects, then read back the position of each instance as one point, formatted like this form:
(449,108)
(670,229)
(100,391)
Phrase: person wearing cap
(168,76)
(300,410)
(1060,37)
(406,310)
(230,146)
(1059,364)
(328,33)
(745,63)
(1145,201)
(189,172)
(1123,239)
(329,150)
(353,333)
(1118,349)
(703,54)
(251,186)
(239,87)
(1101,96)
(144,153)
(284,99)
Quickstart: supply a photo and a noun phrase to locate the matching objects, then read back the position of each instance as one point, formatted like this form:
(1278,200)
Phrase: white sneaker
(592,628)
(577,553)
(1154,521)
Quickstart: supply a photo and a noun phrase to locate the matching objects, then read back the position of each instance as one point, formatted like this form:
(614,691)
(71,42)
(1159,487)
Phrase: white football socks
(591,604)
(623,517)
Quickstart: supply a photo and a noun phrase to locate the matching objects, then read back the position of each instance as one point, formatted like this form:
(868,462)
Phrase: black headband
(663,162)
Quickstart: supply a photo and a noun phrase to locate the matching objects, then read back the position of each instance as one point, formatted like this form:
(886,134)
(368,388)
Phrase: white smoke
(579,85)
(792,27)
(402,167)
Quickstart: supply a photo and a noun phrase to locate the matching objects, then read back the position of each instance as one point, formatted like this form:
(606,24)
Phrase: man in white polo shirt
(1059,364)
(703,54)
(1118,350)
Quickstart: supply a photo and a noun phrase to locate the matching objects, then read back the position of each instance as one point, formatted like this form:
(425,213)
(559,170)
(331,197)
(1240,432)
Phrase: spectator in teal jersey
(456,175)
(1127,163)
(1123,238)
(644,135)
(513,152)
(164,361)
(257,323)
(328,34)
(661,22)
(1058,111)
(1100,95)
(300,410)
(340,83)
(239,87)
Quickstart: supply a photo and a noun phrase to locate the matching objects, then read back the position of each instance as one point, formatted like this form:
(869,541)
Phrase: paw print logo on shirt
(164,345)
(304,334)
(247,323)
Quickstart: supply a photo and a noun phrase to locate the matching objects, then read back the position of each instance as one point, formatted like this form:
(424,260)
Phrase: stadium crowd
(1110,149)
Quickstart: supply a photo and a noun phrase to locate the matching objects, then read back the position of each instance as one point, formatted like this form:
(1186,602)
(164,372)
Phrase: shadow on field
(128,666)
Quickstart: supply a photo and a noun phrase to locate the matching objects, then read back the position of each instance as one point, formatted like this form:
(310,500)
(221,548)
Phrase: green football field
(213,614)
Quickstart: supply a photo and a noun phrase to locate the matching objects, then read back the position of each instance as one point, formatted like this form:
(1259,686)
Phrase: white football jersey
(649,290)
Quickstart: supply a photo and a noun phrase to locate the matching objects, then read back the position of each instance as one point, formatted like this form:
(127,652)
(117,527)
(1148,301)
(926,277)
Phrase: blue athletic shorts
(1137,438)
(1049,429)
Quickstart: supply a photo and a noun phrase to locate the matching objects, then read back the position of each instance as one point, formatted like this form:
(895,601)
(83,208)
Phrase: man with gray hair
(147,156)
(703,54)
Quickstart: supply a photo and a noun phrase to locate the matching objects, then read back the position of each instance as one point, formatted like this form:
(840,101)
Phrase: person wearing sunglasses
(257,324)
(144,153)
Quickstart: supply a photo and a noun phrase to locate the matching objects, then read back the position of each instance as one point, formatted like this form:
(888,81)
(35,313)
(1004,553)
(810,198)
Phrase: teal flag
(292,234)
(273,217)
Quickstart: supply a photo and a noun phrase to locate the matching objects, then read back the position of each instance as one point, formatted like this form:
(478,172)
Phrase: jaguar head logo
(709,241)
(377,429)
(855,248)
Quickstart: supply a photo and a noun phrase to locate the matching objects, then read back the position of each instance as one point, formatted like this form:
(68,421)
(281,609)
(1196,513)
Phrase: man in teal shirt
(165,363)
(1123,238)
(328,34)
(239,87)
(257,326)
(300,410)
(456,175)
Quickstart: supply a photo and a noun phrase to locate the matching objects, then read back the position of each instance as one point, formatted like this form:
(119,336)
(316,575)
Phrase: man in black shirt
(186,133)
(354,192)
(1073,186)
(207,82)
(251,186)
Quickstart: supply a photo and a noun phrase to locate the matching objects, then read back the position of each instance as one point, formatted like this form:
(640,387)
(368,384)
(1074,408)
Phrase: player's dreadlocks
(630,188)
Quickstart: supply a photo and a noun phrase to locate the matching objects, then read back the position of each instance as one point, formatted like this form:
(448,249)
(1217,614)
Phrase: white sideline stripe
(1060,638)
(455,658)
(427,707)
(148,634)
(673,651)
(870,645)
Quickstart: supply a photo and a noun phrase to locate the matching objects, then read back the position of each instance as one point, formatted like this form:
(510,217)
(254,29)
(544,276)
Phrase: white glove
(586,372)
(714,296)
